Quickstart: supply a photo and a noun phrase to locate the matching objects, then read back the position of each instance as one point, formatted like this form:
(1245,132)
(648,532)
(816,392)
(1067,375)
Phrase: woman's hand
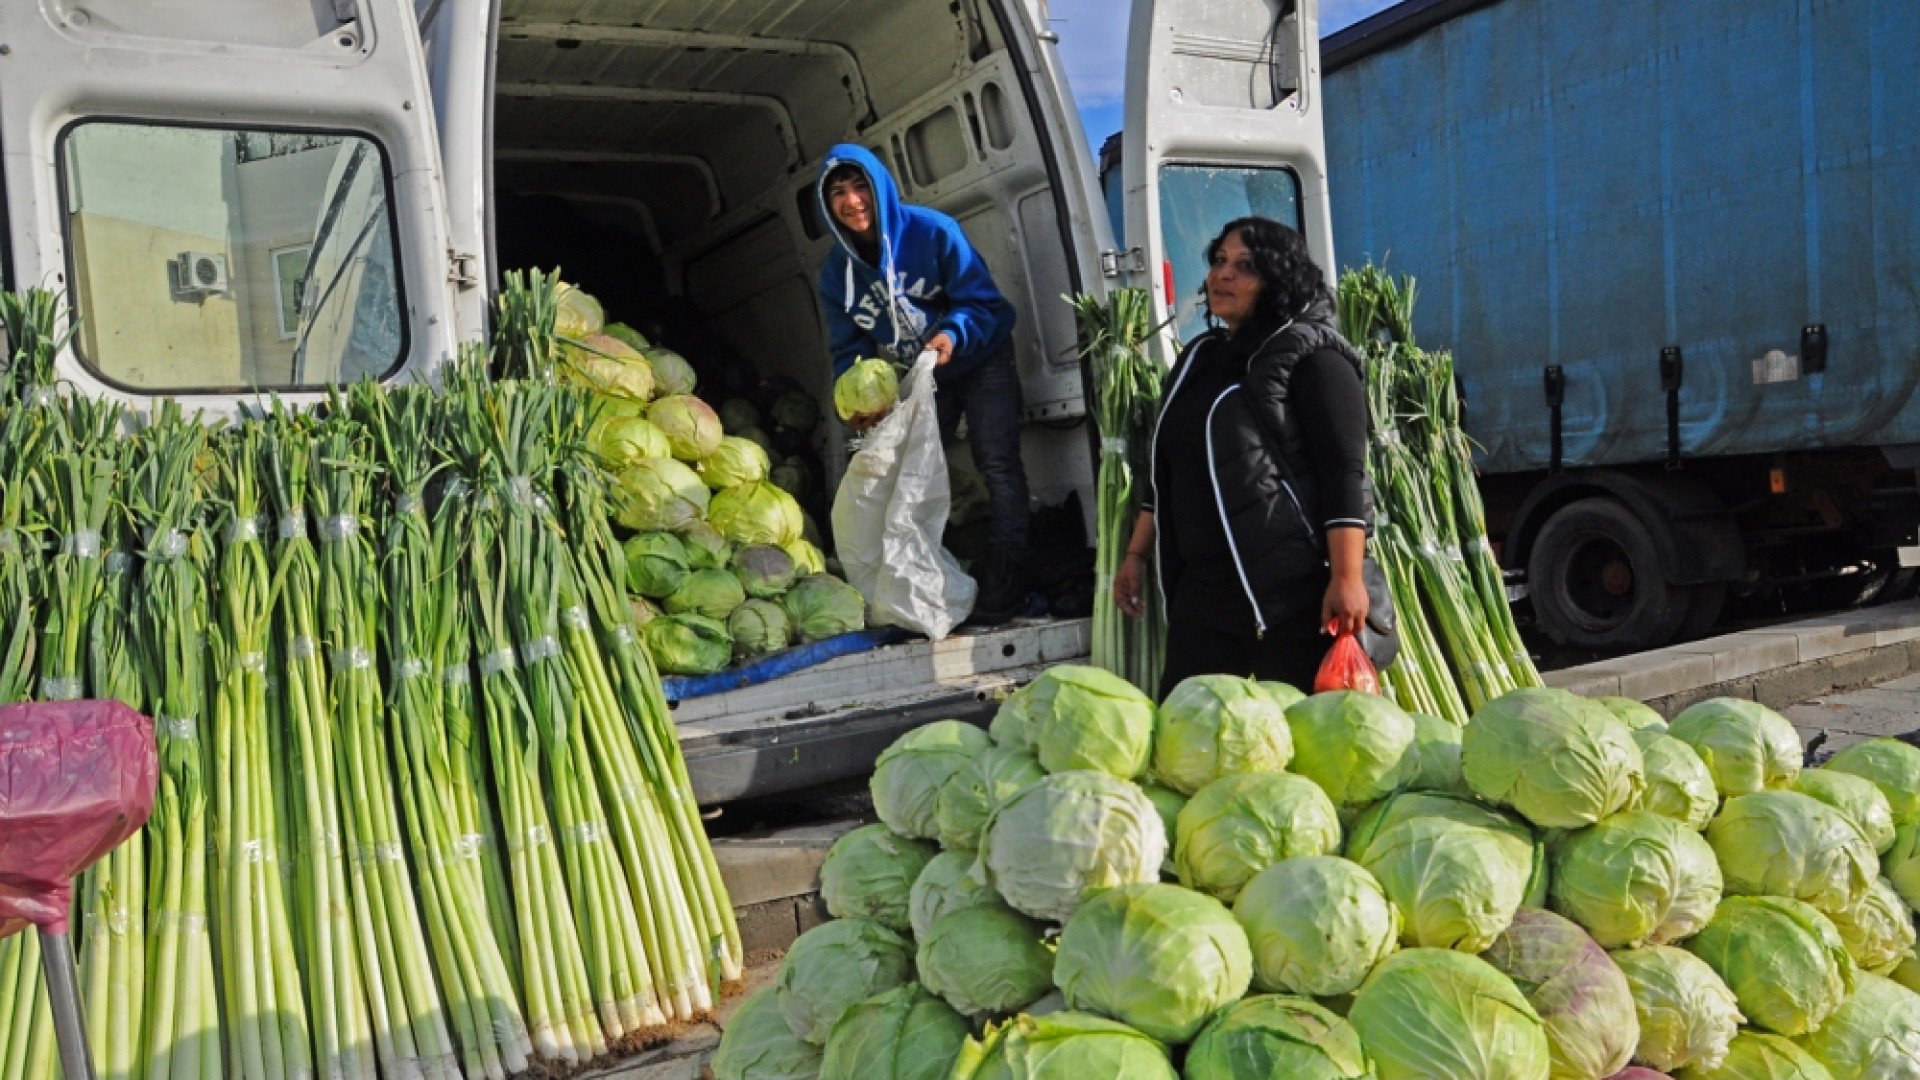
(1130,580)
(1128,583)
(1344,610)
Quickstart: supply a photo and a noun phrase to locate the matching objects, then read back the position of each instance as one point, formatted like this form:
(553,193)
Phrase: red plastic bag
(1346,668)
(76,778)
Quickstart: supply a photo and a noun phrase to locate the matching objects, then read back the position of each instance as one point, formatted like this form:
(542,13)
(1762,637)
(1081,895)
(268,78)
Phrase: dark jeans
(1227,645)
(989,397)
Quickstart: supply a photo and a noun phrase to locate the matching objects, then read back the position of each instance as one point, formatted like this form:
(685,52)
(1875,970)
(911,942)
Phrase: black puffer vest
(1269,506)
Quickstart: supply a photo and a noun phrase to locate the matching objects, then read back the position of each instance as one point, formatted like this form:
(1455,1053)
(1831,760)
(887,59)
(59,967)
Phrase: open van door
(235,199)
(1222,120)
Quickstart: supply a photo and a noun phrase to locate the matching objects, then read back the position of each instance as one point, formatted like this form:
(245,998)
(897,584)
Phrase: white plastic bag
(890,513)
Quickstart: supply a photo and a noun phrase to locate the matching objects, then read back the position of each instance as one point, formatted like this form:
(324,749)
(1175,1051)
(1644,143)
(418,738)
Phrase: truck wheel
(1597,581)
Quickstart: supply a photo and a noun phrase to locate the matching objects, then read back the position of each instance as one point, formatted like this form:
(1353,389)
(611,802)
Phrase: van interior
(663,156)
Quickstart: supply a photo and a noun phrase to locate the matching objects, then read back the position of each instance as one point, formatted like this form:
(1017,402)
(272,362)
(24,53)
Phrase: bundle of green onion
(1124,385)
(421,810)
(1459,645)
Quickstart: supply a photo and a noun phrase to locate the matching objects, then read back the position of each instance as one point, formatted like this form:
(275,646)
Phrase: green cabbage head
(792,476)
(1638,716)
(1354,745)
(656,563)
(908,775)
(756,512)
(1783,960)
(971,795)
(607,365)
(579,316)
(1687,1015)
(985,959)
(1577,989)
(738,414)
(1755,1055)
(947,884)
(1636,878)
(658,493)
(869,873)
(759,628)
(1907,974)
(1891,764)
(903,1034)
(1875,1034)
(687,644)
(1878,931)
(1318,925)
(1858,799)
(1557,758)
(1063,1046)
(1783,843)
(1268,1036)
(1436,748)
(822,606)
(1219,725)
(807,559)
(795,410)
(1427,1013)
(1238,826)
(1159,958)
(713,593)
(691,427)
(835,966)
(735,461)
(1678,783)
(671,372)
(1745,745)
(765,571)
(706,548)
(1456,870)
(625,334)
(620,441)
(1169,803)
(758,1045)
(1056,842)
(1084,717)
(868,388)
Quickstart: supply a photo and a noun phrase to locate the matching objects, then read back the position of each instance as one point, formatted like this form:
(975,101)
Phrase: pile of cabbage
(723,565)
(1245,882)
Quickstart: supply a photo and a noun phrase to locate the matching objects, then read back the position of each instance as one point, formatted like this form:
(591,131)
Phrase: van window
(230,259)
(1195,201)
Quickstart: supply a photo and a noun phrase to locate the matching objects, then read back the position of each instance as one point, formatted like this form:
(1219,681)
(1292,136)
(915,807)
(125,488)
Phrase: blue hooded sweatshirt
(930,279)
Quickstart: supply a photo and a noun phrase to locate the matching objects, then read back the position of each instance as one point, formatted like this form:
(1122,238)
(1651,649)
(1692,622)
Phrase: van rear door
(235,199)
(1222,120)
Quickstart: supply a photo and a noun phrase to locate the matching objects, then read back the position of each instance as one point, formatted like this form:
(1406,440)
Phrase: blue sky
(1094,43)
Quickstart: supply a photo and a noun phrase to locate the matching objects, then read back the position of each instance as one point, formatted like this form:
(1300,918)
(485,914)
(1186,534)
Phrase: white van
(283,195)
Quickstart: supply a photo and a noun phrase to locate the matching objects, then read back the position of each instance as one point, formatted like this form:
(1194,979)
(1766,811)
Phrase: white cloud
(1093,45)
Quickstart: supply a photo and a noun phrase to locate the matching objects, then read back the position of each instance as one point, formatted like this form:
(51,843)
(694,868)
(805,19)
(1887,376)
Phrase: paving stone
(1663,672)
(771,926)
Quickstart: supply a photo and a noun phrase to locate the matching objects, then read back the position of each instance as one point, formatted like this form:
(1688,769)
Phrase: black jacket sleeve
(1330,405)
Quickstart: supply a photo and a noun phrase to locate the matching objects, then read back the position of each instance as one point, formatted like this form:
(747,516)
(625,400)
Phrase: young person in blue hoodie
(903,279)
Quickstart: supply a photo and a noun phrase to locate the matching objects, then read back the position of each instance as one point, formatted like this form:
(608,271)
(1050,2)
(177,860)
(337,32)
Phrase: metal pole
(63,994)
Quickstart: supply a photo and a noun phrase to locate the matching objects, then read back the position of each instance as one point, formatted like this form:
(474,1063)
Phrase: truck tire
(1709,601)
(1597,583)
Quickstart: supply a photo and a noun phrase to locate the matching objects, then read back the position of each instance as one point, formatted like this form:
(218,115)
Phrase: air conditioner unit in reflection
(200,274)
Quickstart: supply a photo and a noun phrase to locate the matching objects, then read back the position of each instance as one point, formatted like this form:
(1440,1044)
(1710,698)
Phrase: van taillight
(1166,279)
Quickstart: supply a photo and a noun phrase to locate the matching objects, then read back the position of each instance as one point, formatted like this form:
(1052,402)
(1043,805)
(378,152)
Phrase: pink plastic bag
(76,778)
(1346,668)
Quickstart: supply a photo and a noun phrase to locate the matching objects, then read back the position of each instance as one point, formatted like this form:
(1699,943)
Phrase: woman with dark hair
(1260,506)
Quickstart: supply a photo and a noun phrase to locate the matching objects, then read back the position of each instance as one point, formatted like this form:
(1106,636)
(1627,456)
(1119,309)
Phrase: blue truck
(1675,248)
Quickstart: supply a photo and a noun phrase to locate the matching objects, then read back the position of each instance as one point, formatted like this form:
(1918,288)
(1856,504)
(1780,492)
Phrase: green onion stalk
(525,343)
(33,321)
(693,940)
(263,1003)
(337,999)
(409,1018)
(113,938)
(172,618)
(541,597)
(556,997)
(1125,392)
(479,990)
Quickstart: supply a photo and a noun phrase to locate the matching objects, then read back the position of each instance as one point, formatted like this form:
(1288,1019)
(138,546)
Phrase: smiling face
(850,201)
(1233,285)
